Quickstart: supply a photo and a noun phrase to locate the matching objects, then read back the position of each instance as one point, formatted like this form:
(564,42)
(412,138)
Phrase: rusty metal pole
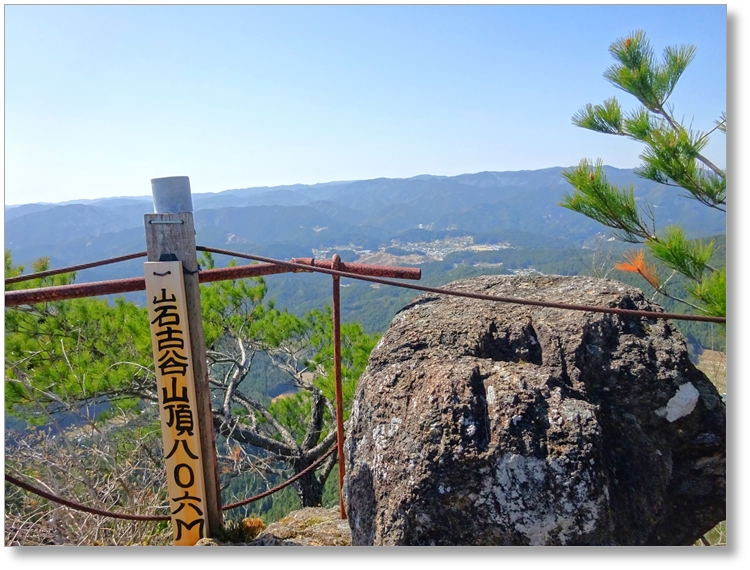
(114,286)
(335,264)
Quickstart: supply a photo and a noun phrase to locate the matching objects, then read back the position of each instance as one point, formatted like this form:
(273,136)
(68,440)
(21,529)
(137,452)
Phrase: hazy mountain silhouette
(366,213)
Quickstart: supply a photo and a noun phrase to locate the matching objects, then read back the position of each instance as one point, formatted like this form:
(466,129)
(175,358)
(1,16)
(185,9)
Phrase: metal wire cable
(94,511)
(305,471)
(72,268)
(440,291)
(78,506)
(423,288)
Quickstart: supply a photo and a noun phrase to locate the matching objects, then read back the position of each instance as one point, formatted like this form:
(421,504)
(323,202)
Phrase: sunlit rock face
(483,423)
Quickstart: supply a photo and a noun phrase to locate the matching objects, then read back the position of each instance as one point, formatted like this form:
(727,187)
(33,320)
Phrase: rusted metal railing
(361,269)
(117,286)
(268,266)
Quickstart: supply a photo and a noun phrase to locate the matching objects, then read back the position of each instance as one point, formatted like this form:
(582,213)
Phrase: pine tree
(63,356)
(672,156)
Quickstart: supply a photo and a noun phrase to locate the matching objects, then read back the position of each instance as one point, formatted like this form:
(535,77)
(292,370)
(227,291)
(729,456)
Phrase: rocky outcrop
(311,526)
(481,423)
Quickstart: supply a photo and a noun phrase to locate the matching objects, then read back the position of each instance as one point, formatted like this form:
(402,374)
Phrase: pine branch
(679,129)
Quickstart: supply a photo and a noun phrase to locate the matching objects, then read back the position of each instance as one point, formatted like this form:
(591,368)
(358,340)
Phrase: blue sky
(100,99)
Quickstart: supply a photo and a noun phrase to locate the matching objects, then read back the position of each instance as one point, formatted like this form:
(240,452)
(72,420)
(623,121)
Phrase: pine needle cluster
(672,156)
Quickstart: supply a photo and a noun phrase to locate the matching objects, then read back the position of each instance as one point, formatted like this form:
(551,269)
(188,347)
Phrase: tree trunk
(309,487)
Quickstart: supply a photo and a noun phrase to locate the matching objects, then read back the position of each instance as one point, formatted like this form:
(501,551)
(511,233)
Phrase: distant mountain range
(291,221)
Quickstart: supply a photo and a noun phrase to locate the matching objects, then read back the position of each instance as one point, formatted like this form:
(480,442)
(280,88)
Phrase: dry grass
(101,472)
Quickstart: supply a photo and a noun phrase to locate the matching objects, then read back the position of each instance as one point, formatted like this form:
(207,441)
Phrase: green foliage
(609,205)
(270,508)
(672,156)
(699,335)
(243,332)
(73,351)
(62,356)
(356,346)
(712,292)
(675,251)
(331,493)
(293,411)
(230,306)
(639,74)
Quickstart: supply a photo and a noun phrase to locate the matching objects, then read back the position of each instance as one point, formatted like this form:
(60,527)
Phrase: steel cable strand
(479,296)
(73,268)
(137,284)
(286,483)
(79,507)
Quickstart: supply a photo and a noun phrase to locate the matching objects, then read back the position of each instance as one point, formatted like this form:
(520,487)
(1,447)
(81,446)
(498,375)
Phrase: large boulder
(484,423)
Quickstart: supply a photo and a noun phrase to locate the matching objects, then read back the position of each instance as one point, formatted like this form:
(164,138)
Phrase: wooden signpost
(170,340)
(180,363)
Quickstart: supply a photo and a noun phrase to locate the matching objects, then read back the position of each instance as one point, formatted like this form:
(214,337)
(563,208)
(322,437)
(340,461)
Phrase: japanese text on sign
(175,386)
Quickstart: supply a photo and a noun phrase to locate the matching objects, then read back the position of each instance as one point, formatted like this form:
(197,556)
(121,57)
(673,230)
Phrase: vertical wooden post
(175,387)
(336,264)
(170,236)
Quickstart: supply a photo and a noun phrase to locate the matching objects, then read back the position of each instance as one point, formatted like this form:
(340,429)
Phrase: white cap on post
(171,195)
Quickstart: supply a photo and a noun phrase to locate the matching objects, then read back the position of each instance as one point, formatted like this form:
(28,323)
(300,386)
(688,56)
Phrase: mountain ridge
(364,214)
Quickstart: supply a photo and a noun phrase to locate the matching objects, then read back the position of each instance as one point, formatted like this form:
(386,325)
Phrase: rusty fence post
(335,264)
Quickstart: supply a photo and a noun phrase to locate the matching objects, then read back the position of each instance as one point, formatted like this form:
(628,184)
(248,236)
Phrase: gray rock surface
(481,423)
